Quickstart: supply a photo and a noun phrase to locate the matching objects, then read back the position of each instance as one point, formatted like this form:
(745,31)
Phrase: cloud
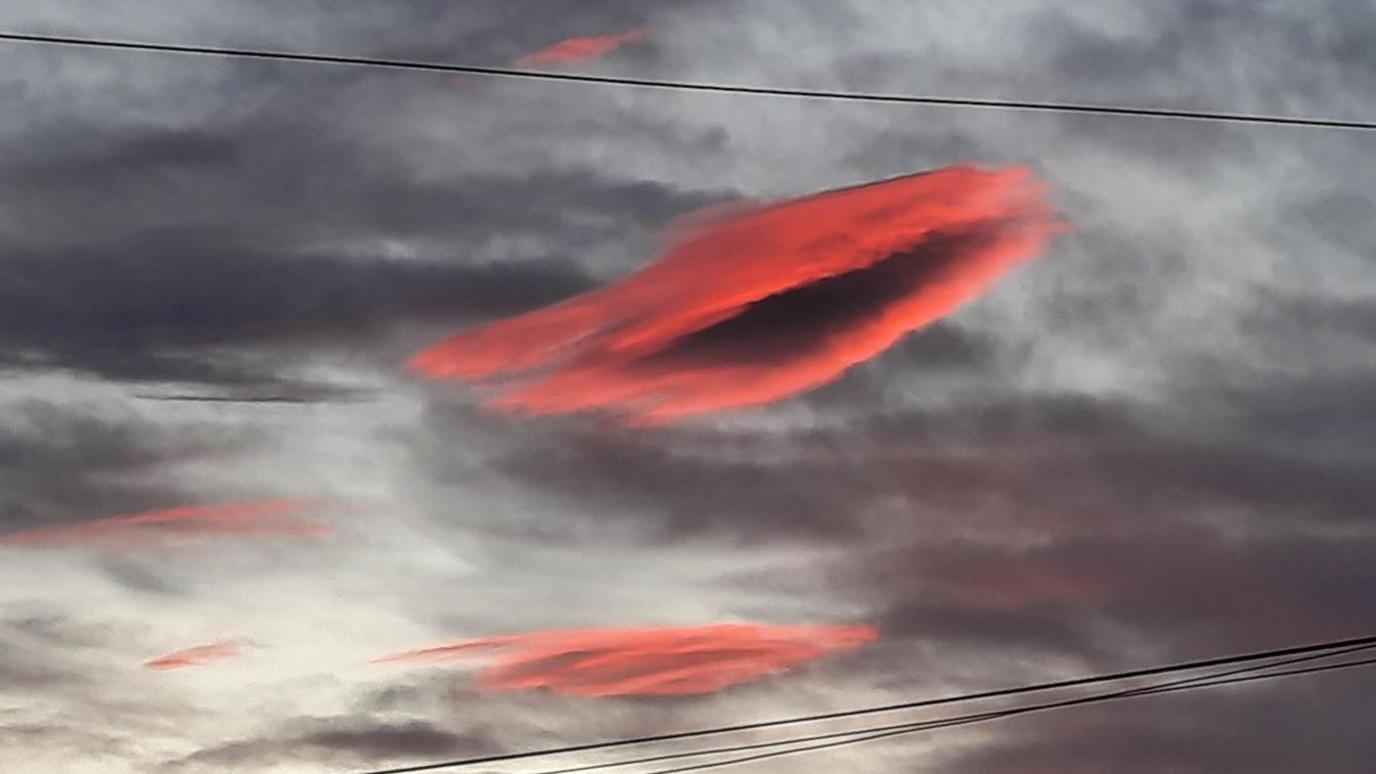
(192,270)
(300,393)
(137,310)
(1270,728)
(643,662)
(199,655)
(795,486)
(1032,523)
(66,462)
(346,741)
(580,48)
(151,529)
(752,304)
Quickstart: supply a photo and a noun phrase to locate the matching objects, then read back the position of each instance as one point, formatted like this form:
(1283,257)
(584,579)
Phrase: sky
(1144,443)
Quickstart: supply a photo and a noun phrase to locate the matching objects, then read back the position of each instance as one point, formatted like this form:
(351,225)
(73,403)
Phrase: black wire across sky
(1257,661)
(688,86)
(863,734)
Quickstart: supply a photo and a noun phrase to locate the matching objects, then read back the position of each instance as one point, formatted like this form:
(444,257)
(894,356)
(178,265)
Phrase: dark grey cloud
(1053,526)
(76,159)
(22,662)
(342,741)
(1067,453)
(298,393)
(65,463)
(687,488)
(191,304)
(1186,588)
(1209,40)
(196,251)
(1329,415)
(1337,216)
(151,308)
(1265,727)
(49,655)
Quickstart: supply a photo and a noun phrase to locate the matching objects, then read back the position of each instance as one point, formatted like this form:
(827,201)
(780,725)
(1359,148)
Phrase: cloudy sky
(1145,445)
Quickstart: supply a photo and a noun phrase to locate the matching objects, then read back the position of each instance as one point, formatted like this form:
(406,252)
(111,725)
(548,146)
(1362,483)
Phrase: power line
(876,734)
(1006,713)
(909,705)
(1223,678)
(692,86)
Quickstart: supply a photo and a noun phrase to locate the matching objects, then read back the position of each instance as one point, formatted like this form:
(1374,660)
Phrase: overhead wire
(876,734)
(1203,680)
(687,86)
(1268,655)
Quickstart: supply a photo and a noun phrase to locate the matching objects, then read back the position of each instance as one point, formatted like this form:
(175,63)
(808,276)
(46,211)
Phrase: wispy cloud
(642,661)
(199,655)
(581,48)
(749,305)
(153,529)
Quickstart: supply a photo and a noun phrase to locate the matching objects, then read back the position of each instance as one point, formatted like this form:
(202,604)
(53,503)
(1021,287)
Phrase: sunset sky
(354,418)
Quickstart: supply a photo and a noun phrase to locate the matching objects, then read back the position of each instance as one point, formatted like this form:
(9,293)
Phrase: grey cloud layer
(61,464)
(1151,444)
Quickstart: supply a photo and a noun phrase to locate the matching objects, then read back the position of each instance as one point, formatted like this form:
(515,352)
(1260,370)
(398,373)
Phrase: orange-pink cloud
(198,655)
(747,305)
(578,49)
(642,661)
(277,517)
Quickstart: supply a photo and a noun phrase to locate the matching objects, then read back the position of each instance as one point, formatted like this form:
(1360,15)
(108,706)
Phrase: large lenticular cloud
(634,661)
(198,655)
(279,517)
(578,49)
(756,303)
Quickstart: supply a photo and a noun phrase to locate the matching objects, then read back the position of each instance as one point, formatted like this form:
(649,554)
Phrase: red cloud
(750,304)
(155,528)
(578,49)
(631,661)
(199,655)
